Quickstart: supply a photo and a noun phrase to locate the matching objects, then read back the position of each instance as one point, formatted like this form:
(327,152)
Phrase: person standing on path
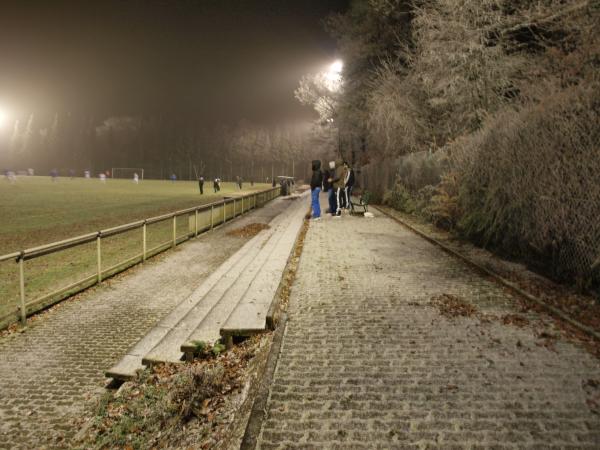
(315,188)
(348,184)
(328,178)
(201,185)
(216,185)
(339,186)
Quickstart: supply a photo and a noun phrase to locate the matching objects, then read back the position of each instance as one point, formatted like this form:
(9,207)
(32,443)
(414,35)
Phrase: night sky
(222,60)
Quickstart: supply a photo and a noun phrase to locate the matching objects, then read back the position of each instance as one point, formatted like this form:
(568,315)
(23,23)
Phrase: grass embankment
(37,211)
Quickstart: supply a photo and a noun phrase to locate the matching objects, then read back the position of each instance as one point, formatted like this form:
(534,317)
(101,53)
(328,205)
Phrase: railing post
(196,222)
(174,231)
(242,205)
(22,288)
(99,255)
(233,217)
(211,216)
(144,241)
(224,207)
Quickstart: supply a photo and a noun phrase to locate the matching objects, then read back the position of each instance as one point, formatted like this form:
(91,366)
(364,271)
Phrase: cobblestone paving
(368,362)
(49,372)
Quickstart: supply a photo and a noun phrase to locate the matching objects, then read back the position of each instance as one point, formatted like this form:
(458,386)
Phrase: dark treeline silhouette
(162,145)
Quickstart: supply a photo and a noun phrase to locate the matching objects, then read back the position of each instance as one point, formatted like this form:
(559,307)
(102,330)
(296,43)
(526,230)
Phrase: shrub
(399,198)
(443,209)
(529,183)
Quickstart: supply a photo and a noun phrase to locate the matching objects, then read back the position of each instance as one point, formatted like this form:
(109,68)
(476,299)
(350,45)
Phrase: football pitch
(36,211)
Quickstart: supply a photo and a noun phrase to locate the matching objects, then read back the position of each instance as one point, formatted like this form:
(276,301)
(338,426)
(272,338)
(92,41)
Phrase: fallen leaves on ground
(173,405)
(583,308)
(515,319)
(592,389)
(452,306)
(290,271)
(249,230)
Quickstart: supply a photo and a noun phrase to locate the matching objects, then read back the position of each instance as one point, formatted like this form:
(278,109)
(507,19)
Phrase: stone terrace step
(217,304)
(132,361)
(250,315)
(261,271)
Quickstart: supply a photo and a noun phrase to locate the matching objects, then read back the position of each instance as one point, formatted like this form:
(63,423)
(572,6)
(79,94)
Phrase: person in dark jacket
(315,188)
(339,184)
(348,183)
(329,178)
(201,185)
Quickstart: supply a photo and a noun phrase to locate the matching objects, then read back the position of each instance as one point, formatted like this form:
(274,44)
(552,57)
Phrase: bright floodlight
(333,76)
(3,117)
(337,66)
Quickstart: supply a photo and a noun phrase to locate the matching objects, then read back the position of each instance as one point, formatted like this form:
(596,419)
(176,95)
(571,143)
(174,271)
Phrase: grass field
(36,211)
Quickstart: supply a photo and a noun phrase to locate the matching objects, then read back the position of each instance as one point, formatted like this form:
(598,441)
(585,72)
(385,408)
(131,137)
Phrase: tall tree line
(504,95)
(162,145)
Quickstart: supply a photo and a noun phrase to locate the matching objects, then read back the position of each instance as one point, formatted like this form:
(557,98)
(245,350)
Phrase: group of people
(338,181)
(217,184)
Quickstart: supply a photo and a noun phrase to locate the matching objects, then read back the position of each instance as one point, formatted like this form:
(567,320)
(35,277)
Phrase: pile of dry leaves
(249,230)
(173,405)
(452,306)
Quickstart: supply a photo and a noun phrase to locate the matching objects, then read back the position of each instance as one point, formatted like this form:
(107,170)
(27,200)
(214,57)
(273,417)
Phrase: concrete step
(214,306)
(132,361)
(250,314)
(209,329)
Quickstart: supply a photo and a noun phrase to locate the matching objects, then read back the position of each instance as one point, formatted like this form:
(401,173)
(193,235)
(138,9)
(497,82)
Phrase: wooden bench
(363,203)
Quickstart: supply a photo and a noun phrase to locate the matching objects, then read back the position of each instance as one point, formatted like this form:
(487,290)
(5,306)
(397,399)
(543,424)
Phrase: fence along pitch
(54,247)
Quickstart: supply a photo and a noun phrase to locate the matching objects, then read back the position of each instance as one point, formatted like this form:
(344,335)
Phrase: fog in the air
(158,71)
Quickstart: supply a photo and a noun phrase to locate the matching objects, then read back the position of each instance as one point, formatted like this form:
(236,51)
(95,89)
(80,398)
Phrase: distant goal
(127,172)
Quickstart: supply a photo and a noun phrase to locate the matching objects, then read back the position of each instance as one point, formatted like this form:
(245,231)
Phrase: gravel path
(369,361)
(50,372)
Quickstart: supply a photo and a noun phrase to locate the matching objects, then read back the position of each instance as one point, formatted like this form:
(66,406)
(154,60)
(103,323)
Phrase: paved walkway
(48,373)
(368,362)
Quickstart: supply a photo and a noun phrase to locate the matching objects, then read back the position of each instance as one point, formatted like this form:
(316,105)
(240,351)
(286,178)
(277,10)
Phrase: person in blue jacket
(316,182)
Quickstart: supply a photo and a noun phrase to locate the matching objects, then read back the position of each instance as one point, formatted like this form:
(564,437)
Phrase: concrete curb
(275,310)
(259,408)
(496,277)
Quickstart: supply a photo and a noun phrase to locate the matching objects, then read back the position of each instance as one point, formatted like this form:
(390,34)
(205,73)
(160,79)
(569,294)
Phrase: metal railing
(220,212)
